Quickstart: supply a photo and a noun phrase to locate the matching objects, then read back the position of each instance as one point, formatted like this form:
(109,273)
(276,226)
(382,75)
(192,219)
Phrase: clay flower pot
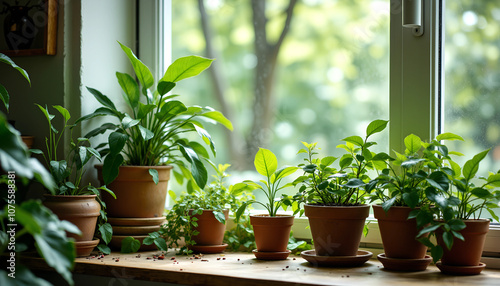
(82,211)
(398,233)
(271,235)
(137,196)
(336,230)
(469,251)
(211,231)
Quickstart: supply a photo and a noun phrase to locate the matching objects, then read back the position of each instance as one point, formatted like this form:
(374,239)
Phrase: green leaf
(110,167)
(161,244)
(494,180)
(356,140)
(141,70)
(144,110)
(5,59)
(411,199)
(448,240)
(218,117)
(128,122)
(104,248)
(413,143)
(4,96)
(154,174)
(328,160)
(104,100)
(284,172)
(388,204)
(481,193)
(146,134)
(354,183)
(59,170)
(436,253)
(265,162)
(375,127)
(198,170)
(130,245)
(448,136)
(64,112)
(170,109)
(186,67)
(129,87)
(206,138)
(220,216)
(117,141)
(101,111)
(101,129)
(106,231)
(164,87)
(471,167)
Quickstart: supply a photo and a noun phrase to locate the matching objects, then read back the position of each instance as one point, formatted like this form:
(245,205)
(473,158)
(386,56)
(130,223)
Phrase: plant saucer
(460,270)
(128,221)
(208,249)
(271,255)
(337,261)
(84,248)
(401,264)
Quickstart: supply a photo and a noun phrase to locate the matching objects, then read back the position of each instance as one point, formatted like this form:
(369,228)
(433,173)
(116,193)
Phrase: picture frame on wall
(28,27)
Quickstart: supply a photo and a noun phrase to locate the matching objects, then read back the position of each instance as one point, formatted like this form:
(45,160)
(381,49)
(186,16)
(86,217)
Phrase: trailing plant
(181,219)
(466,198)
(422,166)
(324,184)
(152,128)
(67,172)
(266,165)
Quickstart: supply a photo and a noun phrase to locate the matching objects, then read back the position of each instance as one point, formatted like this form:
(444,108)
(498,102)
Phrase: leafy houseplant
(400,188)
(152,132)
(199,217)
(337,196)
(4,94)
(456,214)
(271,230)
(71,200)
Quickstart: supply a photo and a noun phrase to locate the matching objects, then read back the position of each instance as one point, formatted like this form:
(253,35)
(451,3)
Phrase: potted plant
(197,220)
(401,189)
(151,138)
(335,198)
(72,201)
(455,220)
(271,230)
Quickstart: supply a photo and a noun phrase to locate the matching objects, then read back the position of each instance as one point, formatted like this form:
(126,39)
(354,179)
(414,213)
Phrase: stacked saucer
(138,228)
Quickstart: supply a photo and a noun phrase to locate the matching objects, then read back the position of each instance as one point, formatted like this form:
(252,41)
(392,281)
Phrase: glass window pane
(472,78)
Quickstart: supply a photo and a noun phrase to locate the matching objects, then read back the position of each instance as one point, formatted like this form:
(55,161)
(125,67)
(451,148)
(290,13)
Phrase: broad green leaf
(101,111)
(106,231)
(161,243)
(354,183)
(46,112)
(170,108)
(388,204)
(284,172)
(375,127)
(481,193)
(471,167)
(141,70)
(220,216)
(101,129)
(411,199)
(5,59)
(129,87)
(146,133)
(186,67)
(64,112)
(494,180)
(448,240)
(265,162)
(117,141)
(448,136)
(164,87)
(206,138)
(111,167)
(219,117)
(198,170)
(328,160)
(356,140)
(104,248)
(59,169)
(413,143)
(144,110)
(382,157)
(130,245)
(154,174)
(104,100)
(128,122)
(436,253)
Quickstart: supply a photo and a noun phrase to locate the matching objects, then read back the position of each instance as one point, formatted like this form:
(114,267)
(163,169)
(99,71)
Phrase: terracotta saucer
(208,249)
(127,221)
(116,242)
(338,261)
(84,248)
(400,264)
(134,230)
(460,270)
(271,255)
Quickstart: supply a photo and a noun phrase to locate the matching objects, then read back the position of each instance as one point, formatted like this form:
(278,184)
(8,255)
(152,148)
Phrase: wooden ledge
(243,269)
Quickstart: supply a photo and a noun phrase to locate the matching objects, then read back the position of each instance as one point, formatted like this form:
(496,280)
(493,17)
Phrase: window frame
(416,83)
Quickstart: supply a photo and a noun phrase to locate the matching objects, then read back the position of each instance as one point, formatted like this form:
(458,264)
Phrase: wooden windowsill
(243,269)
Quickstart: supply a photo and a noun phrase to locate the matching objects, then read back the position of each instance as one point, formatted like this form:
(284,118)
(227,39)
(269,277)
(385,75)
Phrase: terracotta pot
(211,230)
(82,211)
(271,233)
(28,141)
(398,233)
(137,196)
(336,230)
(468,252)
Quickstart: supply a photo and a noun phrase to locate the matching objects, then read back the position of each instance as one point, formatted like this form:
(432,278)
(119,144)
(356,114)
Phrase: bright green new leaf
(219,117)
(129,87)
(472,166)
(356,140)
(146,133)
(141,70)
(265,162)
(186,67)
(64,112)
(448,136)
(164,87)
(413,143)
(375,127)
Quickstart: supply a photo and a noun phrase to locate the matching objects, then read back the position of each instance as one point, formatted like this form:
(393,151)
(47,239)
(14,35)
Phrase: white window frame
(415,86)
